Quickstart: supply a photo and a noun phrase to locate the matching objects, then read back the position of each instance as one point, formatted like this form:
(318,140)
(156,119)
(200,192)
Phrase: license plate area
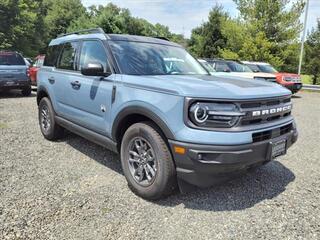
(278,148)
(10,83)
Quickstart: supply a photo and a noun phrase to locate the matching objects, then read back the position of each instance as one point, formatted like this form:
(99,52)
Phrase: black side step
(88,134)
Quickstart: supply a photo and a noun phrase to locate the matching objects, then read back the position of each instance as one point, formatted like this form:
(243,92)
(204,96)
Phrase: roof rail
(90,30)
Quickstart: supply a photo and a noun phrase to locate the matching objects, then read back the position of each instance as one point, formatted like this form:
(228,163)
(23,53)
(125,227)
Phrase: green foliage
(28,25)
(265,31)
(21,25)
(60,15)
(275,18)
(274,27)
(207,40)
(113,19)
(312,54)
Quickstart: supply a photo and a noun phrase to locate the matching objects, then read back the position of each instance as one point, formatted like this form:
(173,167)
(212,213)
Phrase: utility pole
(303,35)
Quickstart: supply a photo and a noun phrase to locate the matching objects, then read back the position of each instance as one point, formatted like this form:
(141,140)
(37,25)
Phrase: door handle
(76,84)
(51,80)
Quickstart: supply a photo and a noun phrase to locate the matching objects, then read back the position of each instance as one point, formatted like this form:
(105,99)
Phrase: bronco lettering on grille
(271,111)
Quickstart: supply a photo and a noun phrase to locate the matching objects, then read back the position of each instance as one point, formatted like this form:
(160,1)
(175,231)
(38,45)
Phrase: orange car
(291,81)
(34,69)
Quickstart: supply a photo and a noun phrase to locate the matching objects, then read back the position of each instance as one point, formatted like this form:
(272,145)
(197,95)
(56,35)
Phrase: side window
(52,55)
(221,67)
(67,58)
(93,52)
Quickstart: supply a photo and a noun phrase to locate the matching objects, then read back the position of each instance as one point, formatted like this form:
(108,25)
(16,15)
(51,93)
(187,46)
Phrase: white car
(221,67)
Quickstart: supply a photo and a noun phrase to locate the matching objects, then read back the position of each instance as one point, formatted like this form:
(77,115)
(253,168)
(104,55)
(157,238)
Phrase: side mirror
(256,71)
(93,69)
(226,70)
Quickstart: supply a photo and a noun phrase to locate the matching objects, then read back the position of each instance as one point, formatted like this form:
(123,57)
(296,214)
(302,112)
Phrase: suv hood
(245,74)
(206,86)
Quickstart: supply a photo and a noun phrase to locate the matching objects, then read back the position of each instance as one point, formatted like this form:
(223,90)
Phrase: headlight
(292,79)
(288,79)
(214,115)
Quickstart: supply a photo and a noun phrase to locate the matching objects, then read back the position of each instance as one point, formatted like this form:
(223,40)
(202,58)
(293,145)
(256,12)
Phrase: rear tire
(48,126)
(158,176)
(26,91)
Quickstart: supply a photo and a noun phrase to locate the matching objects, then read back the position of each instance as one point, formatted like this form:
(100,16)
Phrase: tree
(312,53)
(279,22)
(207,40)
(22,25)
(113,19)
(60,14)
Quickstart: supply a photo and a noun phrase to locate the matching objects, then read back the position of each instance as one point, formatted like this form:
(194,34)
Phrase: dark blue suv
(14,72)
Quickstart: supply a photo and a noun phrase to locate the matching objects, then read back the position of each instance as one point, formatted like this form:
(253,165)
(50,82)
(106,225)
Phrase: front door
(90,97)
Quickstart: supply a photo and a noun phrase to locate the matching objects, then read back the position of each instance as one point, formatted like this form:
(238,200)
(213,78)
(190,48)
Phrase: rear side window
(11,58)
(67,58)
(52,56)
(253,67)
(222,67)
(93,52)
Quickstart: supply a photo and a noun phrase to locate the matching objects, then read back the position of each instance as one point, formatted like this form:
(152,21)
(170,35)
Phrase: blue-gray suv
(14,72)
(174,125)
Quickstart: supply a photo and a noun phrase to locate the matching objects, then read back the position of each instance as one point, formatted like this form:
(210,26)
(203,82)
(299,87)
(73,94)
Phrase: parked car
(34,69)
(233,68)
(14,72)
(291,81)
(172,125)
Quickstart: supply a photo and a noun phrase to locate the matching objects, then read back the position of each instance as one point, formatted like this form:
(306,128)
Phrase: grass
(307,79)
(3,125)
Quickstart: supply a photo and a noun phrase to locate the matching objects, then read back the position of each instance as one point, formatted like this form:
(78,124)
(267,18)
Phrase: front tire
(147,162)
(48,126)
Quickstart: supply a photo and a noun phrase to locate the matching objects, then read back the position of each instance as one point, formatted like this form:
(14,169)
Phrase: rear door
(62,75)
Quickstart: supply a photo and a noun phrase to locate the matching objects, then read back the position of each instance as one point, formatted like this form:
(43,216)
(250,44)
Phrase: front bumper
(204,165)
(294,87)
(8,84)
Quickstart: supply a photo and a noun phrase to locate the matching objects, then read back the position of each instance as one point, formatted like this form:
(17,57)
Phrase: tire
(51,130)
(164,181)
(26,91)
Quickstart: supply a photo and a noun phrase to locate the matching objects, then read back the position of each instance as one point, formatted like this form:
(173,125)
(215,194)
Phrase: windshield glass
(139,58)
(11,58)
(267,69)
(237,67)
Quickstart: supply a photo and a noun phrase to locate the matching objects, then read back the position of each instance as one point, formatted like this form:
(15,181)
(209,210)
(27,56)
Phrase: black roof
(135,38)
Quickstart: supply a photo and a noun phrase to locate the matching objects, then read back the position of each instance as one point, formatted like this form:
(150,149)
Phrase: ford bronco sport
(148,99)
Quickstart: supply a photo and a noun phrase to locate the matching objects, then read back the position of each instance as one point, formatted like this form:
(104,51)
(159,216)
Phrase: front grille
(264,111)
(269,134)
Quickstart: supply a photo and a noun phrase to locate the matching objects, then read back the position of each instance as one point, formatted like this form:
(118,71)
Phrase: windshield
(11,58)
(267,69)
(139,58)
(237,67)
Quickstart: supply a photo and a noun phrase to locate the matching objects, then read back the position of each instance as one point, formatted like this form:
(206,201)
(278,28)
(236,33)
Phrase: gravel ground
(74,189)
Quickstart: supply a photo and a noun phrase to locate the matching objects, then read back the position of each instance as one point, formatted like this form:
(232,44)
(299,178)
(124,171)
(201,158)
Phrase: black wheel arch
(41,93)
(134,114)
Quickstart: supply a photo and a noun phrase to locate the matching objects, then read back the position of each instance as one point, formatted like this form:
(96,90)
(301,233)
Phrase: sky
(181,16)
